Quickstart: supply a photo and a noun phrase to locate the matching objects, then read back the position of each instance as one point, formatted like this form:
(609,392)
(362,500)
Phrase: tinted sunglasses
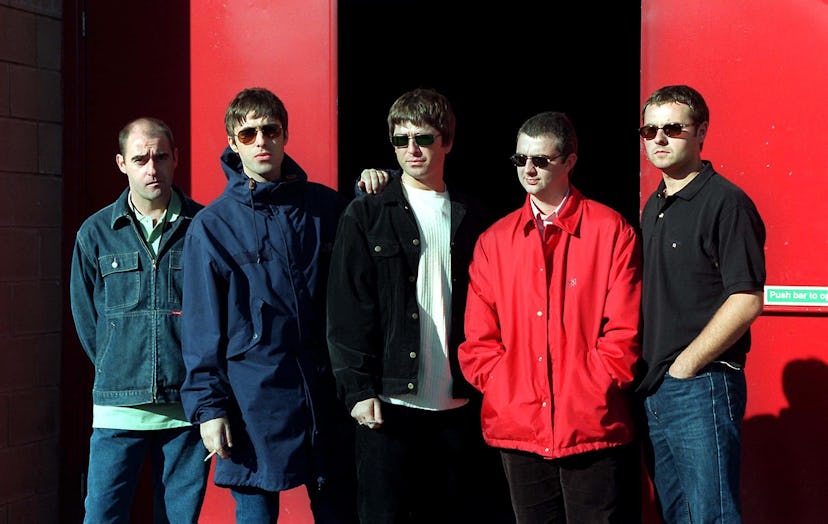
(421,140)
(247,135)
(540,161)
(672,130)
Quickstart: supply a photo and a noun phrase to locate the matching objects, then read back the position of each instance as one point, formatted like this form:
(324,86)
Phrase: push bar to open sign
(796,296)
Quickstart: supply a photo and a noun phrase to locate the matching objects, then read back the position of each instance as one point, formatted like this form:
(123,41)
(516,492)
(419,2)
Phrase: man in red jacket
(552,340)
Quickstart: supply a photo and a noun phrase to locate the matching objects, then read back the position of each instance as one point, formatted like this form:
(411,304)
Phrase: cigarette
(210,455)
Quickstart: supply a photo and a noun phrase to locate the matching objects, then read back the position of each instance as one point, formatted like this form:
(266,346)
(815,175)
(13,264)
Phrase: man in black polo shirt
(704,273)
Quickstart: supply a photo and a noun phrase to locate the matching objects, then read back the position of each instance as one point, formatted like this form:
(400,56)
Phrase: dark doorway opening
(498,65)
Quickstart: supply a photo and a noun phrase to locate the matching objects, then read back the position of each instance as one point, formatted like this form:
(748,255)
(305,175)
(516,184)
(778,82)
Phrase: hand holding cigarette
(215,435)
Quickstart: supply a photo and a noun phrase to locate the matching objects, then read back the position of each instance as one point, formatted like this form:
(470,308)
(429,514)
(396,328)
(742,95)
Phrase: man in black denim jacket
(125,292)
(396,298)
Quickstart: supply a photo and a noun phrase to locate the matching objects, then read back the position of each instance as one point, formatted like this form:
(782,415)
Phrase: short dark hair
(553,124)
(424,106)
(155,127)
(680,94)
(258,100)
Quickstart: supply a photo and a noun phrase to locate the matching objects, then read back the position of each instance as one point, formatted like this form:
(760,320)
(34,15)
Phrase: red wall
(762,66)
(289,47)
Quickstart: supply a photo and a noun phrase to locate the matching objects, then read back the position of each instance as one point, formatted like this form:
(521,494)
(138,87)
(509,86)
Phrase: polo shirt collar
(695,185)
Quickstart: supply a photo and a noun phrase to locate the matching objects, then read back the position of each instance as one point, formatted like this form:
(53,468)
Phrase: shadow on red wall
(785,456)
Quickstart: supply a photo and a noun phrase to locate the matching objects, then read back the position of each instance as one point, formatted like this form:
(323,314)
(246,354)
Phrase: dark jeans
(695,436)
(255,506)
(330,504)
(428,467)
(588,488)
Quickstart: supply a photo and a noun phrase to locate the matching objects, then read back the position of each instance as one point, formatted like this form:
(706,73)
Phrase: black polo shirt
(701,245)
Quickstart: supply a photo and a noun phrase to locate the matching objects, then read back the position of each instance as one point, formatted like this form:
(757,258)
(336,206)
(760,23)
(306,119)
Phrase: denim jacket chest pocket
(388,256)
(396,270)
(121,273)
(175,276)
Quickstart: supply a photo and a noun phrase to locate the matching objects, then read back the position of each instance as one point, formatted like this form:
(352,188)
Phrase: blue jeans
(694,429)
(328,504)
(179,474)
(255,506)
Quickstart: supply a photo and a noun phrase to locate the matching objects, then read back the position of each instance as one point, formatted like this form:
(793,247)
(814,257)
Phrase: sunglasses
(540,161)
(247,135)
(672,130)
(421,140)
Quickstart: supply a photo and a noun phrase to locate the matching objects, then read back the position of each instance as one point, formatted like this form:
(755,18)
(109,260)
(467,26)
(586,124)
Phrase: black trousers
(598,487)
(429,467)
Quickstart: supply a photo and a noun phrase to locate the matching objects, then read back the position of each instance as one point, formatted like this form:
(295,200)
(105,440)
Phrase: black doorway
(498,66)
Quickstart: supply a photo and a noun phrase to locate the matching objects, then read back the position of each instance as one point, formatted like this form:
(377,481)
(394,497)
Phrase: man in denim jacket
(126,302)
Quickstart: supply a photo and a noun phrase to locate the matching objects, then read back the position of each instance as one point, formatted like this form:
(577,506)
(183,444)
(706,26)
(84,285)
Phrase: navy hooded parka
(256,264)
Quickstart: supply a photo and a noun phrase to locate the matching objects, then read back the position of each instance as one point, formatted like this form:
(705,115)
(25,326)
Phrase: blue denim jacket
(126,304)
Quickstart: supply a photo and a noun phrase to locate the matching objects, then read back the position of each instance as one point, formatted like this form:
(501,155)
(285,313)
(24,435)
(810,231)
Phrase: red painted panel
(762,66)
(219,506)
(763,69)
(289,47)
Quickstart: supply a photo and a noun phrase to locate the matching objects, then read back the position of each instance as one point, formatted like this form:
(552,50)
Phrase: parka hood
(260,196)
(244,189)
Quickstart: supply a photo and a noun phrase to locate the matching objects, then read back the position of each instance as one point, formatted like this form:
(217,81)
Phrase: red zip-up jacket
(553,341)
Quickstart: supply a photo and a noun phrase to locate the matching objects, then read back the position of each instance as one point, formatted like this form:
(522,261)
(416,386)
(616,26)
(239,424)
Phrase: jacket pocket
(382,248)
(389,259)
(398,285)
(250,333)
(175,277)
(122,279)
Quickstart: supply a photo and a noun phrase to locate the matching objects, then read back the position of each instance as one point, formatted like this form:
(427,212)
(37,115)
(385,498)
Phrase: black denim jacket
(373,317)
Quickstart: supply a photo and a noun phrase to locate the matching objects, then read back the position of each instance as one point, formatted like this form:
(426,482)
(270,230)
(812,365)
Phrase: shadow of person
(785,457)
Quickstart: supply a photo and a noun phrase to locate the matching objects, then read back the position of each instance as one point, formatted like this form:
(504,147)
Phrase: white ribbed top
(433,212)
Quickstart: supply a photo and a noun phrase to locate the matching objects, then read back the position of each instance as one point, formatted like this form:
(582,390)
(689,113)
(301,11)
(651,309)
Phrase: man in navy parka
(258,376)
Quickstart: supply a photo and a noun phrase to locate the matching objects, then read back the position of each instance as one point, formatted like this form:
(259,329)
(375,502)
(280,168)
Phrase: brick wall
(30,264)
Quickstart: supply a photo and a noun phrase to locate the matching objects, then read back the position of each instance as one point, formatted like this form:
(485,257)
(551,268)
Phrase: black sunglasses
(247,135)
(421,140)
(672,130)
(539,161)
